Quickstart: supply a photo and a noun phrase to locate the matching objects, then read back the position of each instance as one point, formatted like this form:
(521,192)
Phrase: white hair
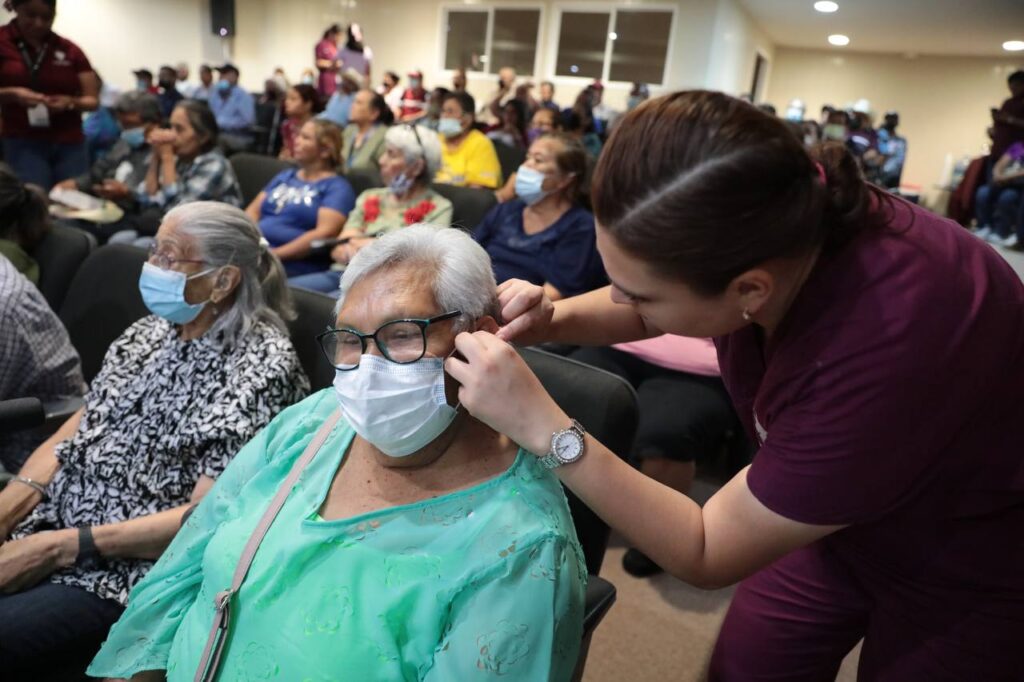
(225,235)
(416,144)
(463,278)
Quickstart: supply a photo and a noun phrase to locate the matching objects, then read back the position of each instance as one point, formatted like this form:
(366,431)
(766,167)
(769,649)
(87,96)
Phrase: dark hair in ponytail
(24,216)
(704,186)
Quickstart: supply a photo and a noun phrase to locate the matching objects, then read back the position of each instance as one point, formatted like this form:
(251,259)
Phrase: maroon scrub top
(891,399)
(58,74)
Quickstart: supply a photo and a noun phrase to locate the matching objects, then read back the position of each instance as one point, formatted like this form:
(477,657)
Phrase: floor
(662,629)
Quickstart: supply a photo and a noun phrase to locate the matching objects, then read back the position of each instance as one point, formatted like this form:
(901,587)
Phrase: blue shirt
(338,108)
(564,255)
(894,147)
(236,112)
(290,210)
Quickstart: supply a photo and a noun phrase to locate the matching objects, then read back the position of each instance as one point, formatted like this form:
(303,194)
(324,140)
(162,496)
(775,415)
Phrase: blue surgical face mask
(449,127)
(532,134)
(135,137)
(141,85)
(163,292)
(223,85)
(400,184)
(530,185)
(633,101)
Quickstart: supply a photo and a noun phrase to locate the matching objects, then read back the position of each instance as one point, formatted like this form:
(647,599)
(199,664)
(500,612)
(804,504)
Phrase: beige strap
(210,662)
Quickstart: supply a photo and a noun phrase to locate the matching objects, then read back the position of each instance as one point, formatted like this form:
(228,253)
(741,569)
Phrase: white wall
(943,101)
(736,41)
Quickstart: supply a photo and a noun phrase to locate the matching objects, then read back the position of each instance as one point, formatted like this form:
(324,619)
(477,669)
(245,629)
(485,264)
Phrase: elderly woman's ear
(487,324)
(225,283)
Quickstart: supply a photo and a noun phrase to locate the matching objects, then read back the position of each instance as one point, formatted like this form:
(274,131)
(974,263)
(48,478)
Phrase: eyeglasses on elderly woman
(400,341)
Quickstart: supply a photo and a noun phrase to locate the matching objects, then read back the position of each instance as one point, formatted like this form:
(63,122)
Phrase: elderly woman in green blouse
(417,543)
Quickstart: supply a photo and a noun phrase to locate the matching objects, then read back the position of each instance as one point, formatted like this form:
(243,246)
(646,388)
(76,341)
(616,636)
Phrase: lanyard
(33,67)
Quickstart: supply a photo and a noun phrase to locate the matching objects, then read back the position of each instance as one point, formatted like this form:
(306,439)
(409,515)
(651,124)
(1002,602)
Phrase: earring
(216,310)
(746,315)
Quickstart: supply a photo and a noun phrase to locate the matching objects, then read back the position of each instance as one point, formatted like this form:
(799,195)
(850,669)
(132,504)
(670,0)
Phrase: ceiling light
(839,40)
(1013,45)
(826,6)
(613,35)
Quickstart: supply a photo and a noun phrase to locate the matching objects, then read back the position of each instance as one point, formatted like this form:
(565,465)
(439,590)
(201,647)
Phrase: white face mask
(399,409)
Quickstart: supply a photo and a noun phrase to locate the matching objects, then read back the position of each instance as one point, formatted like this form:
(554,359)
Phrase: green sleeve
(442,213)
(523,621)
(141,640)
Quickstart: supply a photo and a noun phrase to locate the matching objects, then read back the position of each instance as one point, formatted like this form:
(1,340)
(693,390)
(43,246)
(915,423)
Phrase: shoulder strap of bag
(210,661)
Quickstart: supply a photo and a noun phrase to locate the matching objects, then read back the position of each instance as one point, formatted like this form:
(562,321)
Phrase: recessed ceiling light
(826,6)
(1013,45)
(613,35)
(839,40)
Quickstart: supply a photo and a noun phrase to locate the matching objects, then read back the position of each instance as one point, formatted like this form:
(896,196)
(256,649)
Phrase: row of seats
(103,299)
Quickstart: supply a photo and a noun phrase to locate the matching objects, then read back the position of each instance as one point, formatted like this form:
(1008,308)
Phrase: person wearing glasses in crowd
(179,393)
(417,541)
(410,159)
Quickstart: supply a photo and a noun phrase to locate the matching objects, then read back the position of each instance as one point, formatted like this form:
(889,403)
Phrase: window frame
(555,33)
(448,7)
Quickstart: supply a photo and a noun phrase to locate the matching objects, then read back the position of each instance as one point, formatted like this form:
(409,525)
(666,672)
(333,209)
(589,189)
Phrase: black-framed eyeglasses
(400,341)
(165,261)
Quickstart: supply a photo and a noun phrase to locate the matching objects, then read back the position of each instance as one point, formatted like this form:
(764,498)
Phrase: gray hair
(226,236)
(463,278)
(426,147)
(147,106)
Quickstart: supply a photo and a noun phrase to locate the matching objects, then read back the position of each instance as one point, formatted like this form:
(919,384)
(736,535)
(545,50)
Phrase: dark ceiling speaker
(222,17)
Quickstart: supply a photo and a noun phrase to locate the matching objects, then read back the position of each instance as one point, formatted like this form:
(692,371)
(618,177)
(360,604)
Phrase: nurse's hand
(526,312)
(501,391)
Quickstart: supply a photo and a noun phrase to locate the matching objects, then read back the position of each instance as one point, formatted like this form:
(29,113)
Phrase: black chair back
(315,313)
(510,158)
(469,204)
(254,171)
(363,179)
(605,404)
(59,255)
(104,300)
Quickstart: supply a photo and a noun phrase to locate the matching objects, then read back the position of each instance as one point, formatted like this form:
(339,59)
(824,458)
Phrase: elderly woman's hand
(526,312)
(500,390)
(26,562)
(162,140)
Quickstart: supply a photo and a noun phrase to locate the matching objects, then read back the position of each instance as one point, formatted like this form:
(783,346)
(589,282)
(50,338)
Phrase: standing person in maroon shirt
(873,350)
(1008,120)
(46,82)
(328,63)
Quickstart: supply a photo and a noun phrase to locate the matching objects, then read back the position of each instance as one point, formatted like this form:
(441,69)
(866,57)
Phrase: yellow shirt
(473,162)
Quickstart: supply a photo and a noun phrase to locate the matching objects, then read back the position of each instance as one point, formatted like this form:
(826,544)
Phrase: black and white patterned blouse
(161,413)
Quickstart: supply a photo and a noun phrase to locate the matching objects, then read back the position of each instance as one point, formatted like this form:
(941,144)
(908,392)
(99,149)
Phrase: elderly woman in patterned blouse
(178,395)
(417,543)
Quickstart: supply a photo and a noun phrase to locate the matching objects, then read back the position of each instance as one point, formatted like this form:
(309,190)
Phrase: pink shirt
(679,353)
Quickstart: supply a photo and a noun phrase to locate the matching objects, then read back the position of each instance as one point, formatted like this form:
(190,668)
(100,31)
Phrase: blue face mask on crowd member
(449,127)
(633,101)
(223,85)
(135,137)
(400,184)
(533,133)
(141,85)
(530,185)
(163,292)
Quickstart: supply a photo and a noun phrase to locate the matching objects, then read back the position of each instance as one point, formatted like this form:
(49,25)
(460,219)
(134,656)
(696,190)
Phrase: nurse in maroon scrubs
(873,350)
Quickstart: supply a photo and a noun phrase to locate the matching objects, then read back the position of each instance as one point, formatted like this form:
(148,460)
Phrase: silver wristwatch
(567,446)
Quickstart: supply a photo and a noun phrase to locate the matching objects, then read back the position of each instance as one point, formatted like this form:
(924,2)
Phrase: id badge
(39,116)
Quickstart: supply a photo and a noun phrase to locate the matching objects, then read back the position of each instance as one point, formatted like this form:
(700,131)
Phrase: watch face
(567,446)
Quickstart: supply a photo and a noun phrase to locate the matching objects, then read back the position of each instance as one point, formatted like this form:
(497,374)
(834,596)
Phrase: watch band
(88,554)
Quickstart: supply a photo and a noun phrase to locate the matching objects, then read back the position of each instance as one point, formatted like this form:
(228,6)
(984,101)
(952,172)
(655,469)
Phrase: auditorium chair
(59,255)
(254,171)
(510,158)
(469,204)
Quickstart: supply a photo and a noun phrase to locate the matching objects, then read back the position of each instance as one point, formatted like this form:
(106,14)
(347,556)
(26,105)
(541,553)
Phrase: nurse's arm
(730,538)
(590,319)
